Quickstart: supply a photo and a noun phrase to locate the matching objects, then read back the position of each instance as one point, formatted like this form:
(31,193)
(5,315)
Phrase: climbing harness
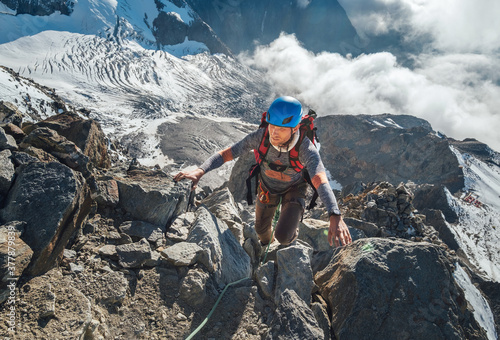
(306,129)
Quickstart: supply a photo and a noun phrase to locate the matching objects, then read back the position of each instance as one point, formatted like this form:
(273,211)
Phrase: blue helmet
(285,111)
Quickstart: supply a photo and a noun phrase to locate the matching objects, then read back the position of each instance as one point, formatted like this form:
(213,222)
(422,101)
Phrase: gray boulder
(106,193)
(227,259)
(370,229)
(85,133)
(10,113)
(58,146)
(294,272)
(179,229)
(193,287)
(7,141)
(53,200)
(184,253)
(134,255)
(7,172)
(294,319)
(400,289)
(140,229)
(152,197)
(264,275)
(221,204)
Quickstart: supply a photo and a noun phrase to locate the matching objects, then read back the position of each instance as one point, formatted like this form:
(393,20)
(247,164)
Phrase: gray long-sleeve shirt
(275,181)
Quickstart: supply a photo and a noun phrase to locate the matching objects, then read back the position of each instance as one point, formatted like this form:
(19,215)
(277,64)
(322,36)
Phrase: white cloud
(459,94)
(455,25)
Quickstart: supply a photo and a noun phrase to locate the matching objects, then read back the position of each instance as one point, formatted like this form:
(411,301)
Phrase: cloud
(458,26)
(457,93)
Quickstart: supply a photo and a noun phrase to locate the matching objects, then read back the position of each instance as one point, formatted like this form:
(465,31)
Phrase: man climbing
(282,174)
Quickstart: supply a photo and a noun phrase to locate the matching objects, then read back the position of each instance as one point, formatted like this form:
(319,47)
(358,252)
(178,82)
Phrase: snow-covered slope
(105,57)
(478,210)
(34,101)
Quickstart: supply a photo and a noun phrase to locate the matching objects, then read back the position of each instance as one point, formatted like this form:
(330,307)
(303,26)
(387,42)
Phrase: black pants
(292,210)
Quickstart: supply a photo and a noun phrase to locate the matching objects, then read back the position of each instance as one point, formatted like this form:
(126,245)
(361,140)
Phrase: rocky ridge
(124,252)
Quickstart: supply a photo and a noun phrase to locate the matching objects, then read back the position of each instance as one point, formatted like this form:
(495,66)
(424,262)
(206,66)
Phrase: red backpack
(306,129)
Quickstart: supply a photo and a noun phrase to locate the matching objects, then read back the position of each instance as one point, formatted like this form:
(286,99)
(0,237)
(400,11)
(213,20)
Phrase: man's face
(279,135)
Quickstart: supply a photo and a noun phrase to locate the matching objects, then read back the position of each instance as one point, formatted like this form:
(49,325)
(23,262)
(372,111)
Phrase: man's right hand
(193,175)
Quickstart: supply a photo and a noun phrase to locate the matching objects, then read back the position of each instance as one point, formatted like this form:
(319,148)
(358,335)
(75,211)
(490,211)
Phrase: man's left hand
(338,231)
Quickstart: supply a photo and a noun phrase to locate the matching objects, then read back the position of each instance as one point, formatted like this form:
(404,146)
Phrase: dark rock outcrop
(401,289)
(320,25)
(387,148)
(85,133)
(294,319)
(40,7)
(53,200)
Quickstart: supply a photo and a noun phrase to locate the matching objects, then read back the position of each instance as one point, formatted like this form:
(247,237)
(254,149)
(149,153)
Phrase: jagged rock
(294,319)
(321,315)
(434,197)
(7,141)
(184,253)
(436,219)
(39,155)
(193,287)
(107,194)
(264,275)
(15,131)
(15,256)
(134,255)
(9,113)
(367,153)
(109,250)
(53,200)
(69,254)
(58,146)
(179,229)
(152,197)
(370,229)
(85,133)
(40,8)
(400,288)
(140,229)
(294,272)
(53,309)
(155,259)
(227,259)
(315,233)
(7,173)
(22,158)
(76,268)
(320,25)
(221,204)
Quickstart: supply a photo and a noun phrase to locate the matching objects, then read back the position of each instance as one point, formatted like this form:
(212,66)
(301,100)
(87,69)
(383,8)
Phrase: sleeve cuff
(335,212)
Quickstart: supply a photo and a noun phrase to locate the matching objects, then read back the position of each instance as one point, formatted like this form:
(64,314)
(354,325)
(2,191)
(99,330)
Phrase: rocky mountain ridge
(126,252)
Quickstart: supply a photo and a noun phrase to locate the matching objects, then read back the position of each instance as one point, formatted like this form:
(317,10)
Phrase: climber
(284,168)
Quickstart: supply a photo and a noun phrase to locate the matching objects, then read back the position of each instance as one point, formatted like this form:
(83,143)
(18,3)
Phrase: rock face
(170,29)
(387,148)
(39,7)
(152,197)
(401,289)
(53,200)
(294,319)
(85,133)
(320,25)
(227,259)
